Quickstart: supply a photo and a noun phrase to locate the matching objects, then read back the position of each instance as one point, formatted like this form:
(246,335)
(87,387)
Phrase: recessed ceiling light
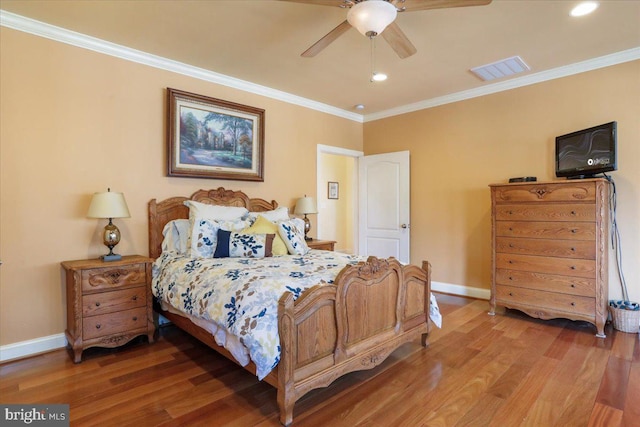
(584,8)
(378,77)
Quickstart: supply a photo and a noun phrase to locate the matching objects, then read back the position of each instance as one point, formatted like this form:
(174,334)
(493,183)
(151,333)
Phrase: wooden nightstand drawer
(113,277)
(113,323)
(108,302)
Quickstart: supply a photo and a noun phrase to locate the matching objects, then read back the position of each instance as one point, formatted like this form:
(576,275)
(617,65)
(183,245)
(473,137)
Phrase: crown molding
(41,29)
(530,79)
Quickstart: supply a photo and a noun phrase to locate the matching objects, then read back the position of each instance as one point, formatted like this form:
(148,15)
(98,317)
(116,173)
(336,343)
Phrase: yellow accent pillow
(264,226)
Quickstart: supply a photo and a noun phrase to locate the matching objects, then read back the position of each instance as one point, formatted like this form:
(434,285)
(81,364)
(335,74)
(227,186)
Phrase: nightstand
(108,303)
(326,245)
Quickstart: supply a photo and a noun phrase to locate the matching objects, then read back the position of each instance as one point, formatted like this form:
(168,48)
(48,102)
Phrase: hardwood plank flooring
(479,370)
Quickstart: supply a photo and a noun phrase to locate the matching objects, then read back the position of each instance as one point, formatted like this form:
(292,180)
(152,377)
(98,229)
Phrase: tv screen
(587,152)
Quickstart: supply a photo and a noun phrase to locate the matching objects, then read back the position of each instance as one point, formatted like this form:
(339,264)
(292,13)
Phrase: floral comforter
(241,294)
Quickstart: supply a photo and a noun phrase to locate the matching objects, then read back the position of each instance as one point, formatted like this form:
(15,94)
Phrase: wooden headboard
(160,213)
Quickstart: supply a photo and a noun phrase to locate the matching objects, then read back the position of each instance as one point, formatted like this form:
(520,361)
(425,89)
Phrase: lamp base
(111,257)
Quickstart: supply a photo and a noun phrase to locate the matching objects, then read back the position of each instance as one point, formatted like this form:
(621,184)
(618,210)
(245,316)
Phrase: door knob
(404,225)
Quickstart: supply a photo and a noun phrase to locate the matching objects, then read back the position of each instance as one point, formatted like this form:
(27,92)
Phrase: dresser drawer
(562,266)
(579,191)
(546,282)
(546,212)
(113,323)
(547,230)
(511,296)
(582,249)
(113,277)
(108,302)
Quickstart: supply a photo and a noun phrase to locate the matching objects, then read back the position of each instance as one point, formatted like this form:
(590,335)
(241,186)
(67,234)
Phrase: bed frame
(354,324)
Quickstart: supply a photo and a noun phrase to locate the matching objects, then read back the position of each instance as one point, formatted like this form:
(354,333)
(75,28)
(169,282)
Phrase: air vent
(499,69)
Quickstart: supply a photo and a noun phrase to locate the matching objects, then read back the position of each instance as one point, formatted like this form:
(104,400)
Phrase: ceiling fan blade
(318,2)
(326,40)
(412,5)
(398,41)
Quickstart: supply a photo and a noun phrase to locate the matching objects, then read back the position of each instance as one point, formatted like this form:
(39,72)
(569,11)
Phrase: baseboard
(461,290)
(32,347)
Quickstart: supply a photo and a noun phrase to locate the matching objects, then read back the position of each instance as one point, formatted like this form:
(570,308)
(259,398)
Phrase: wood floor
(479,370)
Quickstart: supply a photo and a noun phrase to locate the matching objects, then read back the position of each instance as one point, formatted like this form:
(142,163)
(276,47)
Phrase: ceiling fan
(374,17)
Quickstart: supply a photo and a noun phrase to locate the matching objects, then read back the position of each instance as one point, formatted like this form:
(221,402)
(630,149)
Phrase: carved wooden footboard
(354,324)
(370,311)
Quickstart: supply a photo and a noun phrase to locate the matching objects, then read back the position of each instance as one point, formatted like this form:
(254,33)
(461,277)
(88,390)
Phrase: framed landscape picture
(212,138)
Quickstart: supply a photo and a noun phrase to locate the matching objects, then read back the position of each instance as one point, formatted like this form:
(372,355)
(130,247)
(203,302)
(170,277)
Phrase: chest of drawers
(549,249)
(108,303)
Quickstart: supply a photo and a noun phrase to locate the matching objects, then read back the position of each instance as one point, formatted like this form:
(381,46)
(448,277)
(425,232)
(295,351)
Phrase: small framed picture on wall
(333,190)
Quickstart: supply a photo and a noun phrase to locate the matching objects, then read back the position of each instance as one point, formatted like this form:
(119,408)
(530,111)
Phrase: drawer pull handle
(97,304)
(510,245)
(135,298)
(574,231)
(510,229)
(510,278)
(510,212)
(573,304)
(510,294)
(98,326)
(573,249)
(135,318)
(573,286)
(510,261)
(573,213)
(573,267)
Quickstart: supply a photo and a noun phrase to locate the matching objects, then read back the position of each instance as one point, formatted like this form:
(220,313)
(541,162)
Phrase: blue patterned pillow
(204,235)
(237,245)
(292,232)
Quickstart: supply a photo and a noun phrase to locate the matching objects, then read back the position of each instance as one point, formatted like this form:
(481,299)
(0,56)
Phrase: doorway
(338,166)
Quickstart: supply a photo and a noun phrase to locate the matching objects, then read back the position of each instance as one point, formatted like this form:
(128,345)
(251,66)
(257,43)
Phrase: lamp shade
(305,205)
(371,17)
(108,205)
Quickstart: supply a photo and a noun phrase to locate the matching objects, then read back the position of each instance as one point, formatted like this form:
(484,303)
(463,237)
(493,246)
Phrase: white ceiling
(260,41)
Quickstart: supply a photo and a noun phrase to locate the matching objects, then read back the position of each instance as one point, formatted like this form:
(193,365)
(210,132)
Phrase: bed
(341,325)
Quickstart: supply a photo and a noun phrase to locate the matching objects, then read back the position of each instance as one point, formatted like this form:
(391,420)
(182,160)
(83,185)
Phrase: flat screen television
(587,152)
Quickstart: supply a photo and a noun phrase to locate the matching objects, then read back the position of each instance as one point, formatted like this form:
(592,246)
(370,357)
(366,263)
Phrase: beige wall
(75,122)
(458,149)
(336,216)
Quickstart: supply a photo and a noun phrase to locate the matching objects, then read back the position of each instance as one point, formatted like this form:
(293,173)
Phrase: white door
(384,205)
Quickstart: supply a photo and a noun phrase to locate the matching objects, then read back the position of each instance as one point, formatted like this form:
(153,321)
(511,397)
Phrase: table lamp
(109,205)
(304,206)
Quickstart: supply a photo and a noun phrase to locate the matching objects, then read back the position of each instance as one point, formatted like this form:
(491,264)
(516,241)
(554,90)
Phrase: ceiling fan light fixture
(371,17)
(378,77)
(584,8)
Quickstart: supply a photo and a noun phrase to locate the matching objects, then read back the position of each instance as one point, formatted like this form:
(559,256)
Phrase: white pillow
(214,212)
(204,235)
(292,232)
(278,214)
(176,236)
